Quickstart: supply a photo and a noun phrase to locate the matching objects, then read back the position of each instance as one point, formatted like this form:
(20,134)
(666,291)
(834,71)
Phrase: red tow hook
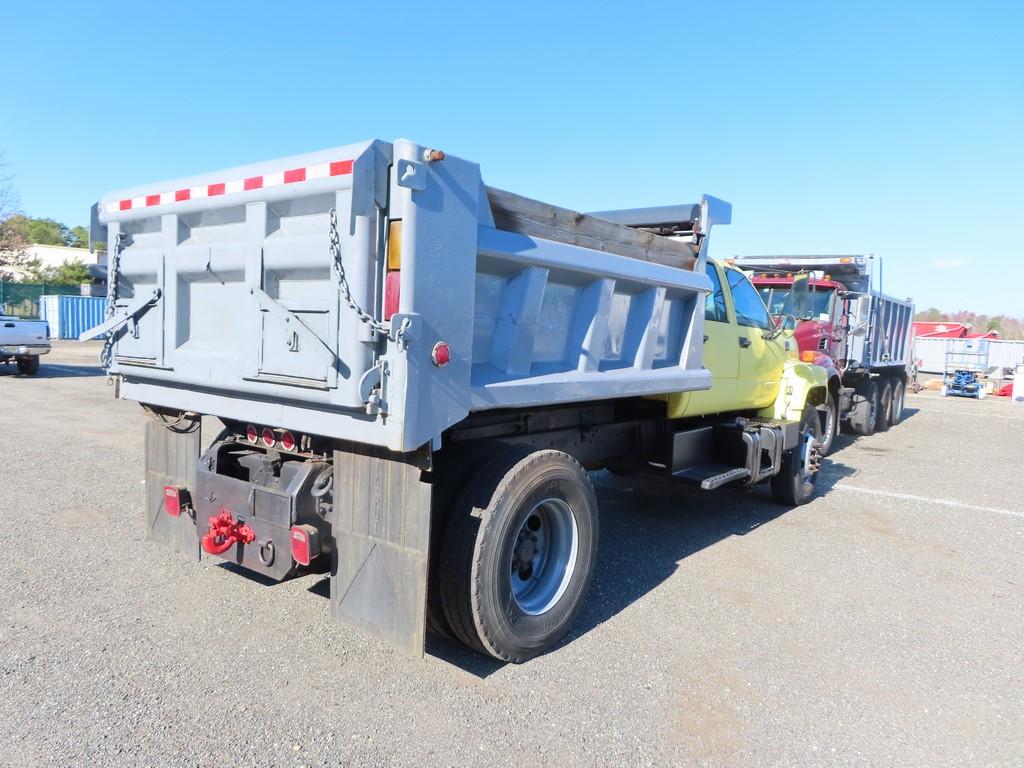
(225,532)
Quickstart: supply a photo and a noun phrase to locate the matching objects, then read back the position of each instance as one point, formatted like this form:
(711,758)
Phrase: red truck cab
(814,305)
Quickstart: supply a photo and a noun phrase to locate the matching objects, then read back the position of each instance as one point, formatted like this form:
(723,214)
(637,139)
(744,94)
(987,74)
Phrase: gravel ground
(879,625)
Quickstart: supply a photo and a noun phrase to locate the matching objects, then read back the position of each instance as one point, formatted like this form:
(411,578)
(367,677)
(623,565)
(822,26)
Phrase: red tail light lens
(441,354)
(175,499)
(269,439)
(305,543)
(252,434)
(392,293)
(288,441)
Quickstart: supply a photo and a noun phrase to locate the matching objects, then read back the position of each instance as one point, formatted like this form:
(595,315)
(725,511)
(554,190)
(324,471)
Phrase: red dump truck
(846,324)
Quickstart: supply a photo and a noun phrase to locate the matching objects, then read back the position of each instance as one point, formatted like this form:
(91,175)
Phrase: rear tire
(899,394)
(794,484)
(519,553)
(884,416)
(865,408)
(28,366)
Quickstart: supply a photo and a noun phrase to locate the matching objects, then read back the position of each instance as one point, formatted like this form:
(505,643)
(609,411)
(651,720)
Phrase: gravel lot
(882,624)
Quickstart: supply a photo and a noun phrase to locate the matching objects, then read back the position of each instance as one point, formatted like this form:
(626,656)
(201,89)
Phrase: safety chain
(399,336)
(113,273)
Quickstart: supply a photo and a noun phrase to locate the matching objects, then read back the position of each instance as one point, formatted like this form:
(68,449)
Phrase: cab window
(750,310)
(714,302)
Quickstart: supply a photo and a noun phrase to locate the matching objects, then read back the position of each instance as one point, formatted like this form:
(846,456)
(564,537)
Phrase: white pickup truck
(23,341)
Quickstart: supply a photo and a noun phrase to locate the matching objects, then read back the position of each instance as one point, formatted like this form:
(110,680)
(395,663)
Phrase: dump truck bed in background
(229,300)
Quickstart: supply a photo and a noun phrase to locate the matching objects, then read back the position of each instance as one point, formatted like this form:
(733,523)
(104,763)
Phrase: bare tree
(13,260)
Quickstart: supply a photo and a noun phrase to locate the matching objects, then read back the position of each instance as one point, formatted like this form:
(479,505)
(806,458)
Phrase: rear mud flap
(382,534)
(172,457)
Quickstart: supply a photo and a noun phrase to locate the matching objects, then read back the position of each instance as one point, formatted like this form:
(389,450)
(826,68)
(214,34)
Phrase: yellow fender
(801,383)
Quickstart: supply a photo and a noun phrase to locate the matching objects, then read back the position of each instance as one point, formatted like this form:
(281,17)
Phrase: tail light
(392,281)
(175,499)
(392,293)
(288,441)
(268,437)
(441,354)
(252,434)
(305,543)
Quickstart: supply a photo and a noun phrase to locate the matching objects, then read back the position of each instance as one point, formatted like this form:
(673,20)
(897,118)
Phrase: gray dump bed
(231,302)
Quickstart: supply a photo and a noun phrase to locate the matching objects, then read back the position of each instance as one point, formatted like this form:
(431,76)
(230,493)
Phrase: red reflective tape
(126,205)
(253,182)
(215,189)
(183,194)
(295,174)
(341,168)
(152,200)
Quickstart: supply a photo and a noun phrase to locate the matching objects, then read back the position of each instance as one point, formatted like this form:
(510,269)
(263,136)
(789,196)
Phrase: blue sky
(892,128)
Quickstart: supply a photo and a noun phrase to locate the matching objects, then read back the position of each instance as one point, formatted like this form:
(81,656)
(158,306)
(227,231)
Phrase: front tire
(831,427)
(519,553)
(793,485)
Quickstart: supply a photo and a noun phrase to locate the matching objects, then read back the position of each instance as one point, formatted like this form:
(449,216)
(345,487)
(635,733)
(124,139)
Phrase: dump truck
(847,325)
(415,372)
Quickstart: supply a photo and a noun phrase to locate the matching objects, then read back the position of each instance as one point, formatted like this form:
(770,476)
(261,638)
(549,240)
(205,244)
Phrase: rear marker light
(175,499)
(392,293)
(305,543)
(287,441)
(251,433)
(441,354)
(269,439)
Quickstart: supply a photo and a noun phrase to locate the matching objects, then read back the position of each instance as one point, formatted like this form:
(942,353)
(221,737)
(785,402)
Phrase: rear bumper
(24,350)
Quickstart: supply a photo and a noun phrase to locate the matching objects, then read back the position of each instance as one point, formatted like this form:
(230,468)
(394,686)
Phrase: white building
(55,255)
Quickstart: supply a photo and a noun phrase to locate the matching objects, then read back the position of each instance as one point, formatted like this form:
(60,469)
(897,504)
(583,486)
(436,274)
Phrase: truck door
(721,356)
(761,360)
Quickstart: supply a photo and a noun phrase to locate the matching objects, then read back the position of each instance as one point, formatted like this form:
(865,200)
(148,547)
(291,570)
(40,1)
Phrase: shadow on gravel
(53,371)
(649,525)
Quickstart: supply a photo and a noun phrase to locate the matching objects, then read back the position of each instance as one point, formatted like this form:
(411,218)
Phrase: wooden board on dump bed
(515,213)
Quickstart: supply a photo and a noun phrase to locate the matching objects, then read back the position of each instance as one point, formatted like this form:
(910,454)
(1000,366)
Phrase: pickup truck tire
(519,552)
(831,428)
(28,366)
(863,415)
(899,393)
(793,485)
(884,416)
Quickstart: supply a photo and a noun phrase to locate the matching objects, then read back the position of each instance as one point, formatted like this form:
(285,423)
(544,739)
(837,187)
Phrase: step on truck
(415,372)
(844,323)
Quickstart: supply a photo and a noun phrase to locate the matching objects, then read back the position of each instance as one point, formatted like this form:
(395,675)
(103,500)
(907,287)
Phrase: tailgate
(225,282)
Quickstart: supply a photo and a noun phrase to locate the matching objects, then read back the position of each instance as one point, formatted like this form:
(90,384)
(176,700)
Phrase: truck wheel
(899,394)
(519,553)
(28,365)
(794,483)
(865,408)
(884,417)
(828,436)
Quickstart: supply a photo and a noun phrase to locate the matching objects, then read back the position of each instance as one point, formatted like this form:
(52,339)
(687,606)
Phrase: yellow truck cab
(754,365)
